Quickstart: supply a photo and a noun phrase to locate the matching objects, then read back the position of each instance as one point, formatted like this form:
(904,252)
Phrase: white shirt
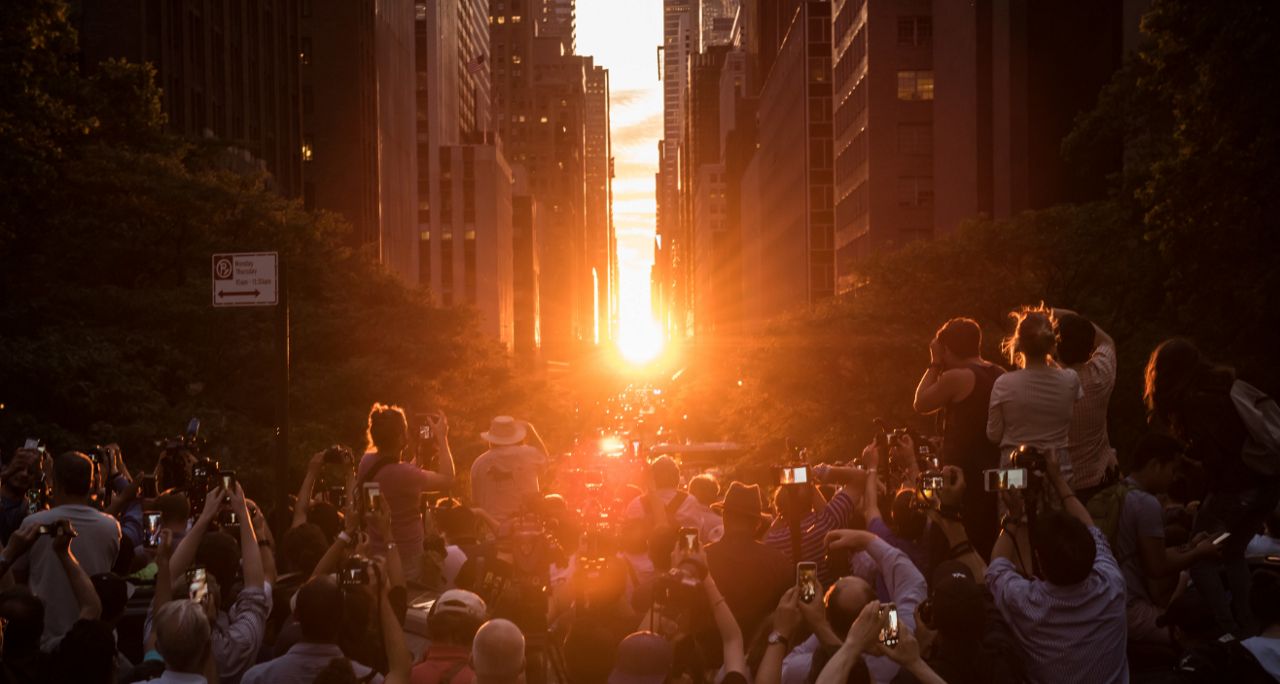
(454,559)
(1089,446)
(95,546)
(689,514)
(1262,546)
(1033,406)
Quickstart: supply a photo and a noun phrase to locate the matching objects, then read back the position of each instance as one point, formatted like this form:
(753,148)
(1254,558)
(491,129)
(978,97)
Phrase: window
(915,85)
(915,191)
(307,153)
(915,31)
(915,138)
(305,55)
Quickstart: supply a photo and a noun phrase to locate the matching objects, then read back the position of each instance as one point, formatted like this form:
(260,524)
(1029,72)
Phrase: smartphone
(228,480)
(889,624)
(424,432)
(336,496)
(807,581)
(999,479)
(1221,538)
(688,539)
(198,584)
(355,575)
(931,483)
(34,443)
(372,496)
(151,529)
(794,475)
(148,489)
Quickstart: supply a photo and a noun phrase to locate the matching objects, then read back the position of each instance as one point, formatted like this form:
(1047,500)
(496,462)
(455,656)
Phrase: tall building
(359,138)
(602,245)
(787,189)
(227,70)
(527,270)
(681,38)
(464,206)
(539,107)
(884,95)
(558,19)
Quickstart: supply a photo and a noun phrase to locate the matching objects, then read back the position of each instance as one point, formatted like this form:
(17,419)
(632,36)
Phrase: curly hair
(1033,335)
(388,428)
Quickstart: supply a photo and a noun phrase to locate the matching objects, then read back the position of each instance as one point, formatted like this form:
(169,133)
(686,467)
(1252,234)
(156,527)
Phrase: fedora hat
(741,499)
(505,430)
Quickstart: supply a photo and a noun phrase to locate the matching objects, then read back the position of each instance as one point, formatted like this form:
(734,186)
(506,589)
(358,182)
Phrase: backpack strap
(447,677)
(674,505)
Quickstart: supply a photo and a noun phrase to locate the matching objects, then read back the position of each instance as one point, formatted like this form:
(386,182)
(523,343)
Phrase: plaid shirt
(1087,443)
(1073,633)
(837,514)
(238,633)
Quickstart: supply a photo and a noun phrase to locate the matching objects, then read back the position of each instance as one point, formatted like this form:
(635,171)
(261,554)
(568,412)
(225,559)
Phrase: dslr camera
(355,572)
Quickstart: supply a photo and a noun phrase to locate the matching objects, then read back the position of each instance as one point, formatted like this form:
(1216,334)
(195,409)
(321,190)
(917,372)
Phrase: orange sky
(623,36)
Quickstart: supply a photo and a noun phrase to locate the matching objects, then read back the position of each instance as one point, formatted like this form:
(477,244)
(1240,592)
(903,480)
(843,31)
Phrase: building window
(915,85)
(915,138)
(307,153)
(915,191)
(305,55)
(915,31)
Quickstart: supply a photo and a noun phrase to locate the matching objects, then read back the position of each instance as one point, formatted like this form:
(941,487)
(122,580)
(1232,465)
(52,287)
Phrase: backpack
(1105,508)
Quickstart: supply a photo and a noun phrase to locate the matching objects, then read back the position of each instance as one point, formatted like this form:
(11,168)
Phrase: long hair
(1176,371)
(388,429)
(1033,335)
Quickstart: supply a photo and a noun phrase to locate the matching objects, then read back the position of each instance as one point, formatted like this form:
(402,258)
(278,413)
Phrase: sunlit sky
(623,36)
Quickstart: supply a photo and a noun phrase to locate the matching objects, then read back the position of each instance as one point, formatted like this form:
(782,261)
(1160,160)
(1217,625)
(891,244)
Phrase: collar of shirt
(313,650)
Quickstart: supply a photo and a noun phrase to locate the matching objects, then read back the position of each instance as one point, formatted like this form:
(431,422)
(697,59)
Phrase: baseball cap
(460,601)
(957,601)
(643,658)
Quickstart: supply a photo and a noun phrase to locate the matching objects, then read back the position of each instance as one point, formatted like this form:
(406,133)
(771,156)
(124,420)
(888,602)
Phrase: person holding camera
(1070,621)
(804,521)
(1089,351)
(958,384)
(402,483)
(96,543)
(505,479)
(1033,406)
(831,620)
(238,619)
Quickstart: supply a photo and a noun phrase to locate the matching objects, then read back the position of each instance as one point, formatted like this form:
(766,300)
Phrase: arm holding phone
(81,585)
(186,551)
(951,496)
(442,477)
(860,637)
(303,504)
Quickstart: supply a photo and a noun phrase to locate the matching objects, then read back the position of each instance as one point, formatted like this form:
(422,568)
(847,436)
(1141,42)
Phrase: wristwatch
(777,637)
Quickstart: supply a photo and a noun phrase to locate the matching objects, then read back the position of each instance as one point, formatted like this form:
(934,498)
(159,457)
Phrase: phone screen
(199,584)
(795,475)
(807,581)
(889,632)
(688,539)
(151,528)
(228,481)
(1015,478)
(424,432)
(372,495)
(931,483)
(1221,538)
(31,444)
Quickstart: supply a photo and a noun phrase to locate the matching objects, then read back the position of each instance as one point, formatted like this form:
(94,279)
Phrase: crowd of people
(1018,546)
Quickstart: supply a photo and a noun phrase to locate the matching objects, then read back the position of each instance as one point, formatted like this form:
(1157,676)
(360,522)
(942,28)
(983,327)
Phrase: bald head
(845,600)
(497,654)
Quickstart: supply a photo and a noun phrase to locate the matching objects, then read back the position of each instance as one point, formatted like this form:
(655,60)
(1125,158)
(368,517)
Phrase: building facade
(228,70)
(602,243)
(359,138)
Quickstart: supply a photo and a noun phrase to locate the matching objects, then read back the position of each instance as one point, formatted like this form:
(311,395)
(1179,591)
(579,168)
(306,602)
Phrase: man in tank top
(958,384)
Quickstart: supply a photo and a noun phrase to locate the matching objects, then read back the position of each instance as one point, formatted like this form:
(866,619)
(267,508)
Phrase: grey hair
(182,635)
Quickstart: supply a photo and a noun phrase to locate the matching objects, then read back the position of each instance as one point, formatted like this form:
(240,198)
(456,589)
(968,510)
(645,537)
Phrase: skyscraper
(227,70)
(884,84)
(601,239)
(359,105)
(787,211)
(681,37)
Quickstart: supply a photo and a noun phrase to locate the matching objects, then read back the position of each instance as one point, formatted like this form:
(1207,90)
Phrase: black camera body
(1030,458)
(676,589)
(338,455)
(355,573)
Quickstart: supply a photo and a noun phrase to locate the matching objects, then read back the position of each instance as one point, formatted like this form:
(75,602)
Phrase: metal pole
(281,469)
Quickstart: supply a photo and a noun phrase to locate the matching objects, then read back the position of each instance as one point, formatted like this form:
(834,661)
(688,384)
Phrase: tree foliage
(1185,245)
(106,326)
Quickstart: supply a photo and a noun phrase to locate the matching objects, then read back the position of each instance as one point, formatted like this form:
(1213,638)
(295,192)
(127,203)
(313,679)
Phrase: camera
(676,589)
(354,573)
(931,482)
(688,539)
(58,528)
(228,518)
(794,474)
(336,496)
(34,443)
(1003,479)
(38,495)
(1028,458)
(338,455)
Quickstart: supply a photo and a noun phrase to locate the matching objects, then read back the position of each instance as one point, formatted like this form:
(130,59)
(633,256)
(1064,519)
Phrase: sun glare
(640,341)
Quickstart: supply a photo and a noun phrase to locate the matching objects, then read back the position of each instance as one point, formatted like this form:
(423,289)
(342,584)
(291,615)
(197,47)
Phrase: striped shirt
(837,514)
(1073,633)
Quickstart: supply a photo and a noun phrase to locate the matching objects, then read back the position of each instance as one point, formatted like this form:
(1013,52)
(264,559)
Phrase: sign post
(259,279)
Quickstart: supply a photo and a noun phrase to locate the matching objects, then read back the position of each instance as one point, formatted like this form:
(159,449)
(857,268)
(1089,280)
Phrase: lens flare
(640,341)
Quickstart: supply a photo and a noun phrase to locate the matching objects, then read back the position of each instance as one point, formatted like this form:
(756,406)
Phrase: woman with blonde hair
(1033,405)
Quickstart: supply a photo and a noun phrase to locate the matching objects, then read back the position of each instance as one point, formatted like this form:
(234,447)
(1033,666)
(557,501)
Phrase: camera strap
(378,465)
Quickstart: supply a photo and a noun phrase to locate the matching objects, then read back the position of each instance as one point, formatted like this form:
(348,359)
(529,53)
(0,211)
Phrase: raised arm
(254,576)
(958,544)
(81,585)
(861,635)
(341,544)
(186,551)
(786,622)
(303,504)
(399,660)
(442,477)
(1070,502)
(164,581)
